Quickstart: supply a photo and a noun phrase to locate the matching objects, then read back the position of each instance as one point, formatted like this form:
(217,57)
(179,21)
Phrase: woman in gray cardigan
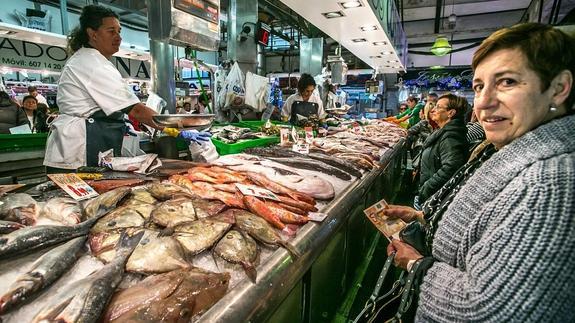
(503,249)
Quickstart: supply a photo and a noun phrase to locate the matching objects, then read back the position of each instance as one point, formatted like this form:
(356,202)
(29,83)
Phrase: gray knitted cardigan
(505,247)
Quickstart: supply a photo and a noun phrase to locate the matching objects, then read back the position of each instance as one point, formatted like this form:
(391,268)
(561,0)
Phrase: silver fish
(85,300)
(37,237)
(46,270)
(173,212)
(166,191)
(9,226)
(238,248)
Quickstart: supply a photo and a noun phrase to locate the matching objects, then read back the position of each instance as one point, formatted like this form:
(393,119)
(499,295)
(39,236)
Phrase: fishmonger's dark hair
(305,80)
(91,17)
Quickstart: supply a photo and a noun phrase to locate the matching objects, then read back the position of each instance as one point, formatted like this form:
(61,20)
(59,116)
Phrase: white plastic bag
(204,152)
(155,102)
(235,87)
(257,91)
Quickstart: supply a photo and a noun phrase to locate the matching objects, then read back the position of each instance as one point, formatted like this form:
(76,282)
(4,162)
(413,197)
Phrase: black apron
(103,133)
(303,108)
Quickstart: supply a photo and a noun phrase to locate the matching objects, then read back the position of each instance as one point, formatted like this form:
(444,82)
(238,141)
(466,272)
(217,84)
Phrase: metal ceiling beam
(438,15)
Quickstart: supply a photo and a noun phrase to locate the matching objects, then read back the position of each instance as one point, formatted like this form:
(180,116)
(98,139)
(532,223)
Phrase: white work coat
(89,82)
(286,109)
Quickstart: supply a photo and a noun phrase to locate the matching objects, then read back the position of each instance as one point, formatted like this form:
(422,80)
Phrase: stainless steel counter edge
(279,274)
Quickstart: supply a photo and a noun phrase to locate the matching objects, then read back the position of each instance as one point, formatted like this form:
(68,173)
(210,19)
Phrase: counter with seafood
(169,248)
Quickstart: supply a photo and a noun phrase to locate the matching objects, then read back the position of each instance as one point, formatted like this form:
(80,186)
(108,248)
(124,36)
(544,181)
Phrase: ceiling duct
(182,23)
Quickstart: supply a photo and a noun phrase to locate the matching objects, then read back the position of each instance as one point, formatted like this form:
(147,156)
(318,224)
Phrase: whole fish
(312,164)
(85,300)
(9,226)
(37,237)
(122,218)
(166,191)
(176,296)
(173,212)
(19,207)
(200,235)
(46,270)
(107,201)
(205,208)
(262,180)
(258,207)
(153,254)
(141,195)
(261,230)
(207,191)
(286,216)
(238,248)
(63,209)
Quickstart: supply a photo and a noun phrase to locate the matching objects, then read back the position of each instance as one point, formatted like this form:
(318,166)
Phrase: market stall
(315,266)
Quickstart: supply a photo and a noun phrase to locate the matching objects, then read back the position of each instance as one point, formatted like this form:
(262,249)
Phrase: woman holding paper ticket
(503,228)
(93,98)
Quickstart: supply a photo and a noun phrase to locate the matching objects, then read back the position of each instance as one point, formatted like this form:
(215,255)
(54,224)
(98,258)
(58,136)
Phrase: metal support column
(64,16)
(311,56)
(162,72)
(243,14)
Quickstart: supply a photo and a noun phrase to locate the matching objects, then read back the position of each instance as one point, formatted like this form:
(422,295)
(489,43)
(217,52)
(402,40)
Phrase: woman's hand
(404,253)
(405,213)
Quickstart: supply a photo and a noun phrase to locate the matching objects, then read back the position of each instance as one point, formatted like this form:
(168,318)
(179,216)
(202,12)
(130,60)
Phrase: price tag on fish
(285,137)
(308,135)
(389,227)
(256,191)
(74,186)
(301,148)
(316,216)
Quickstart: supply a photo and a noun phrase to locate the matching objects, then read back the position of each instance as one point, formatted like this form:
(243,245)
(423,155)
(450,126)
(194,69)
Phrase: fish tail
(290,248)
(128,242)
(250,271)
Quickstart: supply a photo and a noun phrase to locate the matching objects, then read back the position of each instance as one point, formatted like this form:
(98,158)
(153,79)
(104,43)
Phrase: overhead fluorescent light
(379,43)
(6,32)
(369,28)
(359,40)
(350,4)
(393,61)
(333,14)
(386,52)
(375,56)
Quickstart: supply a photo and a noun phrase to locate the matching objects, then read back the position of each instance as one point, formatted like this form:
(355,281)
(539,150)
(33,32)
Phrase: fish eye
(112,223)
(185,312)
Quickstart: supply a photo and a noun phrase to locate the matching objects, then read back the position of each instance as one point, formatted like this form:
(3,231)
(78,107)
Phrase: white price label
(317,216)
(301,148)
(74,186)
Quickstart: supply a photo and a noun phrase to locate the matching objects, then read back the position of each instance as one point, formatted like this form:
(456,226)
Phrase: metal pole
(64,16)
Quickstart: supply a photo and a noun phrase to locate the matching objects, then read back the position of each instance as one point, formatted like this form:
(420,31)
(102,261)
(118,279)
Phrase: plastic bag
(155,102)
(235,88)
(257,91)
(204,152)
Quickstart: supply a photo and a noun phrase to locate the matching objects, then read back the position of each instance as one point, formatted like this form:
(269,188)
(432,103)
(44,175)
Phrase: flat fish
(239,248)
(173,212)
(45,271)
(108,201)
(19,207)
(121,218)
(166,191)
(200,235)
(261,230)
(153,254)
(176,296)
(86,299)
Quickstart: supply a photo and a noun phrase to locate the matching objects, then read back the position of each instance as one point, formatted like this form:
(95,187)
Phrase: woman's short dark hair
(91,17)
(457,103)
(305,80)
(412,98)
(548,51)
(27,97)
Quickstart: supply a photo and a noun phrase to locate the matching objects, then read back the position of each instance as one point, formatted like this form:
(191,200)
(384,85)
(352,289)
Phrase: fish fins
(128,242)
(166,232)
(250,271)
(290,248)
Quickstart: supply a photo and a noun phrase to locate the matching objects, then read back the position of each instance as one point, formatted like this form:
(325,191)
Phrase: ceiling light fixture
(386,52)
(359,40)
(333,14)
(441,47)
(369,28)
(375,56)
(379,43)
(6,32)
(350,4)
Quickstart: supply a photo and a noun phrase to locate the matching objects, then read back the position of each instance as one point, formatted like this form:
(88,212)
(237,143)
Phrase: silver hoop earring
(552,107)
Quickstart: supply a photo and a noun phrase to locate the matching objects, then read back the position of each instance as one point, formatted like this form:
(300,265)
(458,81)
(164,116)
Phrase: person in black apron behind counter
(305,102)
(93,98)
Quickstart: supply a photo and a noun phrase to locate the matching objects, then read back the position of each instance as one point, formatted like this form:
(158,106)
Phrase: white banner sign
(28,55)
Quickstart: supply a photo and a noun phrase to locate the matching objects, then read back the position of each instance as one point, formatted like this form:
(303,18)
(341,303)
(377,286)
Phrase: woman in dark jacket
(11,115)
(446,149)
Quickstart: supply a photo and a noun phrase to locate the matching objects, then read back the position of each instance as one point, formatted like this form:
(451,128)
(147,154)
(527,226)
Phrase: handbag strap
(382,275)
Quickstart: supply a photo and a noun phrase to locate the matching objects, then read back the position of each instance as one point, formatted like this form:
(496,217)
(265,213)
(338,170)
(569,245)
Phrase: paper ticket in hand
(389,227)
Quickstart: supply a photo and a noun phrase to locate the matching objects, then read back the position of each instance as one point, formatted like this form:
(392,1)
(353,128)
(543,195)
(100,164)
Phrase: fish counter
(266,235)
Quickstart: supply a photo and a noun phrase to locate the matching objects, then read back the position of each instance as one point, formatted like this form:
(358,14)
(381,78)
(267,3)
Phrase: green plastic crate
(227,149)
(31,141)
